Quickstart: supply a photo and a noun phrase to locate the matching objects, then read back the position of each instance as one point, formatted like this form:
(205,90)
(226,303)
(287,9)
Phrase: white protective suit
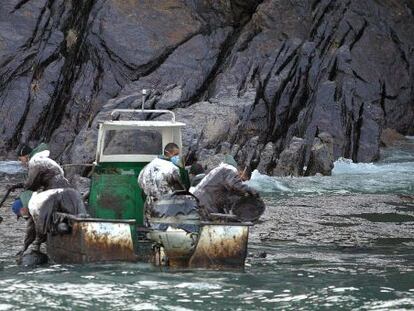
(158,178)
(221,188)
(44,172)
(42,206)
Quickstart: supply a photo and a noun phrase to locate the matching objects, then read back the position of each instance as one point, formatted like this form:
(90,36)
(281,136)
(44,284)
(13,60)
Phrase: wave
(347,166)
(347,177)
(11,167)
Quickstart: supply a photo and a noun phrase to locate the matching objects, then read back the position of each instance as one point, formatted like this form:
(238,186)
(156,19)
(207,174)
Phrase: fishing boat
(117,229)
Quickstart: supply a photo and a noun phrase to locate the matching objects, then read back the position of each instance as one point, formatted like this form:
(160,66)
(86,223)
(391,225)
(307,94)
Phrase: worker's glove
(14,187)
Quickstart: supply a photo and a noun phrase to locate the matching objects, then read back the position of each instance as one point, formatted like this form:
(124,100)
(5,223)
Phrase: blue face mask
(176,160)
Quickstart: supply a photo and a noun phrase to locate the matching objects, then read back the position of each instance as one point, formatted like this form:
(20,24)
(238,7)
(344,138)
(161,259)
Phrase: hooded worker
(223,191)
(40,213)
(43,173)
(161,176)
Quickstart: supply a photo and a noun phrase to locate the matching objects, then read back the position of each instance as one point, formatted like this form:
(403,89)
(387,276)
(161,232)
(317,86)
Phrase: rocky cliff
(246,76)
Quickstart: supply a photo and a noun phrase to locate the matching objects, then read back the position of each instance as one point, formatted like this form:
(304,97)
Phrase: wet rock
(32,258)
(321,159)
(291,160)
(232,70)
(209,160)
(207,124)
(390,137)
(249,154)
(266,159)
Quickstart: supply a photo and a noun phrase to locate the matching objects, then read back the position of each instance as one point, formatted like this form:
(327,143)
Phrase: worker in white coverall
(161,176)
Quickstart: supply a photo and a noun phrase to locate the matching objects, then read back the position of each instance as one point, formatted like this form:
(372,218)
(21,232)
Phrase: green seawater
(294,275)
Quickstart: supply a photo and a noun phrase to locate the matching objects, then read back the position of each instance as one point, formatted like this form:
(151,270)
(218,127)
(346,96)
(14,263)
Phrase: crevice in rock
(347,120)
(343,39)
(137,72)
(359,34)
(357,132)
(243,11)
(249,39)
(38,22)
(93,108)
(225,50)
(326,40)
(153,65)
(19,5)
(314,4)
(36,76)
(223,58)
(245,80)
(320,16)
(14,142)
(277,131)
(23,67)
(261,87)
(399,45)
(287,60)
(77,24)
(116,59)
(382,99)
(359,77)
(334,71)
(326,43)
(302,100)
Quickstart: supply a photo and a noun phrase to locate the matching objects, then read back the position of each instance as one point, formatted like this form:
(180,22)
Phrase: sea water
(294,275)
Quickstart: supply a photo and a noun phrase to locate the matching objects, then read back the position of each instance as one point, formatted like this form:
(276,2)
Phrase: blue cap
(17,206)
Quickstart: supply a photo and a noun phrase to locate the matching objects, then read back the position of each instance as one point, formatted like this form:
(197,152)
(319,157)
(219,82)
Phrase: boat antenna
(144,94)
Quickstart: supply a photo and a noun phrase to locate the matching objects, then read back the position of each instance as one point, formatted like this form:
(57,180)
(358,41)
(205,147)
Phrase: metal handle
(145,111)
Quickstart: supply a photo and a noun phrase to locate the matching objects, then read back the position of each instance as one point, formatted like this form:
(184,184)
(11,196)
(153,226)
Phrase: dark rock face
(321,159)
(251,74)
(291,159)
(390,137)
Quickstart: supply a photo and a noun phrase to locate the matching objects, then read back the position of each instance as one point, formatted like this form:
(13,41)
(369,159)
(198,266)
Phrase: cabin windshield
(132,141)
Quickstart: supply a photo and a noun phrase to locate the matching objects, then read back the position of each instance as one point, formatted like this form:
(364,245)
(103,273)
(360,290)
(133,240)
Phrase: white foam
(347,166)
(347,177)
(267,183)
(11,167)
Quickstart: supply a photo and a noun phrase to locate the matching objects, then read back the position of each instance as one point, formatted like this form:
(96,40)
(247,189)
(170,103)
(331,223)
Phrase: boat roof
(140,124)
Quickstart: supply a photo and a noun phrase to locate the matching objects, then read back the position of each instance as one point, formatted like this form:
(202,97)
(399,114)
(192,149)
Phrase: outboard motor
(181,204)
(175,227)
